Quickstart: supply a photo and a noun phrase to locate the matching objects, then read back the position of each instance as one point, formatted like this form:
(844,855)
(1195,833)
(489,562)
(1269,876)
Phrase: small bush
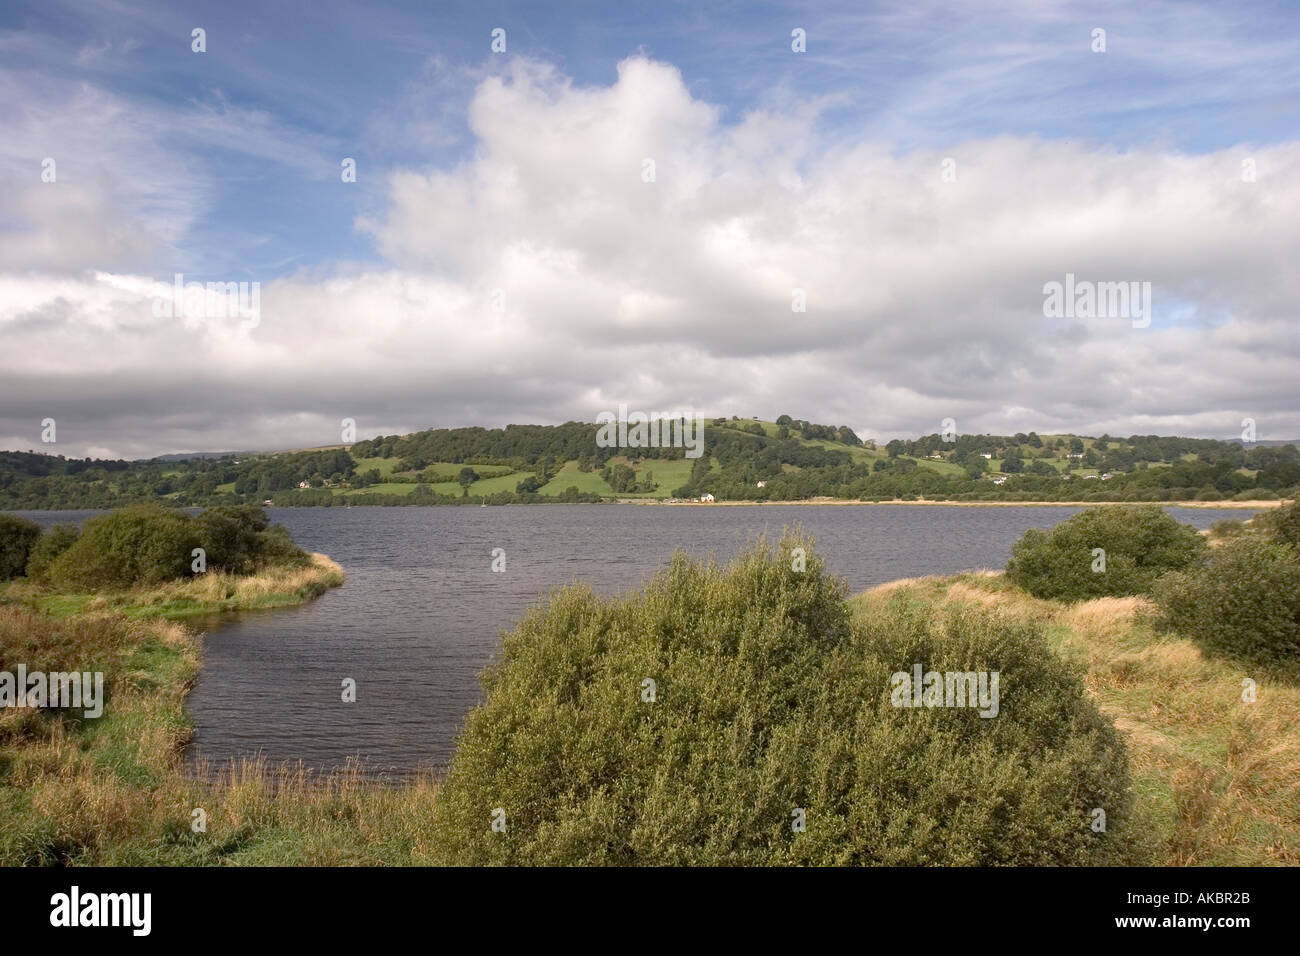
(771,698)
(1282,524)
(1140,543)
(1227,528)
(17,536)
(48,547)
(140,545)
(1242,603)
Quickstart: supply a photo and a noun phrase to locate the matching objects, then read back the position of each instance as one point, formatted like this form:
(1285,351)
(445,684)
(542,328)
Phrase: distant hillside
(742,460)
(189,456)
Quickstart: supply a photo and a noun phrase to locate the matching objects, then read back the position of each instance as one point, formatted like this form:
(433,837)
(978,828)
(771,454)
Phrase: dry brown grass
(275,585)
(1216,777)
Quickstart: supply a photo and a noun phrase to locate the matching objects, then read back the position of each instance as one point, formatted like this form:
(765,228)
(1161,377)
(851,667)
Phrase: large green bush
(148,544)
(48,547)
(771,698)
(1140,543)
(1242,603)
(143,544)
(17,536)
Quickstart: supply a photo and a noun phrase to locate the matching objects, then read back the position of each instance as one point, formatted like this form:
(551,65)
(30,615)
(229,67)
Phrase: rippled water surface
(421,612)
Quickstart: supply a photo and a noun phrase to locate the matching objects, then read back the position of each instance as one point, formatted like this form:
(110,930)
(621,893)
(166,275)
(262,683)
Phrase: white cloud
(924,297)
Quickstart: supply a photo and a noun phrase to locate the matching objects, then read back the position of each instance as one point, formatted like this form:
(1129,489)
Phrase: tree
(895,448)
(466,478)
(621,478)
(530,485)
(691,718)
(17,538)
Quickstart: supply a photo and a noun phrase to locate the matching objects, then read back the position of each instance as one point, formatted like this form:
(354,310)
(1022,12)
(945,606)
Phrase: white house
(303,484)
(984,454)
(999,480)
(762,484)
(706,497)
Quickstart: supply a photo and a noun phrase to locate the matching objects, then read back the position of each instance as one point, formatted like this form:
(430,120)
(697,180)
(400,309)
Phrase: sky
(659,205)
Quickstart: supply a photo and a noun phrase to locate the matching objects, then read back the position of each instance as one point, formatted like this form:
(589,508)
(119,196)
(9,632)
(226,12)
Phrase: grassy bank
(115,791)
(1217,778)
(203,595)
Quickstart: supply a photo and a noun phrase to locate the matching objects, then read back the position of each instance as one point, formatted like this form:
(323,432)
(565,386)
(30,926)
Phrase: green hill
(743,459)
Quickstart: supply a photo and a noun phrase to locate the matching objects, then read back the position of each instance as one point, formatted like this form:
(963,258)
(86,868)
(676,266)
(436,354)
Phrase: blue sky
(474,166)
(387,84)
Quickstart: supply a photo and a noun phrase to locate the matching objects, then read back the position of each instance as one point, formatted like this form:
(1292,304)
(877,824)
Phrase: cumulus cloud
(924,296)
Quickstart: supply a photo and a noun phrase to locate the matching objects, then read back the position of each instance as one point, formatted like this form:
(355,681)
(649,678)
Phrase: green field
(570,476)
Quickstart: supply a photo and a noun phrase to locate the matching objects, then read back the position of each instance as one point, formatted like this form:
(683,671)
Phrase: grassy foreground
(1217,778)
(114,791)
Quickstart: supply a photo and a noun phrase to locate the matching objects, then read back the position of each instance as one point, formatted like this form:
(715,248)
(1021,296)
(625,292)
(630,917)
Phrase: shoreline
(923,502)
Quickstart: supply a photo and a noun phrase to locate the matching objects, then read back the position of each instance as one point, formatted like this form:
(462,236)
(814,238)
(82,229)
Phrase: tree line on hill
(742,461)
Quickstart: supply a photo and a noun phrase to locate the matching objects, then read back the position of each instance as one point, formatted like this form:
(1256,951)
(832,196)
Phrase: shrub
(48,547)
(771,697)
(1242,603)
(1140,544)
(140,545)
(1282,524)
(276,549)
(239,539)
(1227,528)
(17,536)
(228,536)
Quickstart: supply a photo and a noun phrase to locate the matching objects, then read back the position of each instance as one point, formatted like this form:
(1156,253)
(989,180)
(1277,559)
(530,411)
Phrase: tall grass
(212,593)
(1217,778)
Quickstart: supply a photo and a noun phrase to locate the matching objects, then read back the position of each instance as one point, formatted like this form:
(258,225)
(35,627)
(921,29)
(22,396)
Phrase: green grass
(385,488)
(1215,777)
(115,790)
(669,474)
(570,476)
(385,466)
(201,596)
(449,471)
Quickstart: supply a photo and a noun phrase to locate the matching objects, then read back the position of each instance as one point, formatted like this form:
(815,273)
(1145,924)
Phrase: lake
(422,611)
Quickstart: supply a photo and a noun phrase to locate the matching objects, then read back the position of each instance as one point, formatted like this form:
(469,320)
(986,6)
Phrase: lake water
(422,611)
